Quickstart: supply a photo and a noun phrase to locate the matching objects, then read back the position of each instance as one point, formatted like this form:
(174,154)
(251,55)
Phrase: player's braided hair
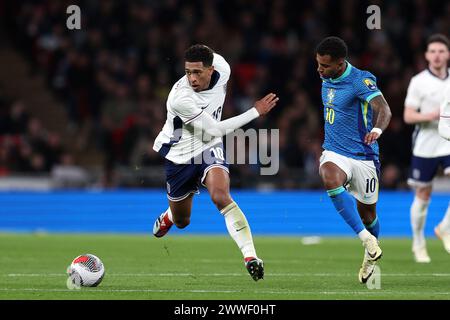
(199,53)
(333,46)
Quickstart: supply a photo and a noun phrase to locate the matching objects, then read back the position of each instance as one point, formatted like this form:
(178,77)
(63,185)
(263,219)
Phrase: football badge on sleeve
(370,84)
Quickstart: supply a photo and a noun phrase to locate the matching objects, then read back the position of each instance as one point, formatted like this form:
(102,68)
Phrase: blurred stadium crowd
(114,74)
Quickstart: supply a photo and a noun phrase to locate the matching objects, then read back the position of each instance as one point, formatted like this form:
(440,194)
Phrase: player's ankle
(364,235)
(247,259)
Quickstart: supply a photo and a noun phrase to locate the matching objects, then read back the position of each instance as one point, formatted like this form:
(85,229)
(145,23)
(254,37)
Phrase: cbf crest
(330,96)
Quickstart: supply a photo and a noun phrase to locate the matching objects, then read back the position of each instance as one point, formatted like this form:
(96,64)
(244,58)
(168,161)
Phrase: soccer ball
(86,270)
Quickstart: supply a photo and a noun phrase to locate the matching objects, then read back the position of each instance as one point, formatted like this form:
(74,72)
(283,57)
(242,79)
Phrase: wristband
(377,130)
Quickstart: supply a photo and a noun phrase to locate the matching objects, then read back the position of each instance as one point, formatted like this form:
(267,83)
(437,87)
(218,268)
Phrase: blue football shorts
(423,170)
(185,179)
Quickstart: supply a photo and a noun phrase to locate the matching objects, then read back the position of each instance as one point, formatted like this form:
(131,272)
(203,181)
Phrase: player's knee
(331,180)
(181,222)
(220,197)
(424,193)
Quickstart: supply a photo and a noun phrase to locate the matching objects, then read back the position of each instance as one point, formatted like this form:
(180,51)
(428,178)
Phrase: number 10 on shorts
(371,185)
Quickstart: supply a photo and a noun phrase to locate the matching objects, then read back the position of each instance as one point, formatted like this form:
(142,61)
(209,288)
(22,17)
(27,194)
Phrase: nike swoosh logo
(237,230)
(205,107)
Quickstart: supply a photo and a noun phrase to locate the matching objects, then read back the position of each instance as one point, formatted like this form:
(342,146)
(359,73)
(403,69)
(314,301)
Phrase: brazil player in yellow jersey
(355,114)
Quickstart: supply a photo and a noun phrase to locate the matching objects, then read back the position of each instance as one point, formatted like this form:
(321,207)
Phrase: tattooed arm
(381,115)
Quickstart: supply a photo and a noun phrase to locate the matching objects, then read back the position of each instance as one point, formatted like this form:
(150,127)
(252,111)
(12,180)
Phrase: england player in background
(430,150)
(191,142)
(350,161)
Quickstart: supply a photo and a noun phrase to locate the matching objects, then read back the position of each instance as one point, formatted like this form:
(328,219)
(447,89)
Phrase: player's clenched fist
(266,104)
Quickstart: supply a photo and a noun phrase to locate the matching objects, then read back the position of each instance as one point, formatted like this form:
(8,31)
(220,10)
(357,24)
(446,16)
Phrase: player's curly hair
(199,53)
(333,46)
(438,37)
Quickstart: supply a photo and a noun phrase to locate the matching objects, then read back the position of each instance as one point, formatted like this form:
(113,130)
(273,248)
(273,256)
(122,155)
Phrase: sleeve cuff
(373,95)
(254,113)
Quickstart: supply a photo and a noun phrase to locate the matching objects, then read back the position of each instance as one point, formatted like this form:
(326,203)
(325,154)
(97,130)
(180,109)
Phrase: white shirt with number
(178,141)
(425,94)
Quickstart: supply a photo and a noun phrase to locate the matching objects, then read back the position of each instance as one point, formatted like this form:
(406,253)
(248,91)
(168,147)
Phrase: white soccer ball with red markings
(86,270)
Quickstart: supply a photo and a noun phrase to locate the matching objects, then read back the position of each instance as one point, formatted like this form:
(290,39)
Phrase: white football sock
(445,223)
(419,210)
(239,229)
(364,235)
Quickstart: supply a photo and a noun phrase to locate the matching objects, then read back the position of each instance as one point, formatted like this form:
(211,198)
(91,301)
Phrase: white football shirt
(425,94)
(178,141)
(444,122)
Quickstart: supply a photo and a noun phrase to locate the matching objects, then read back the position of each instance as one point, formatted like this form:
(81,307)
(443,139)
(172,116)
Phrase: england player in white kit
(191,143)
(430,150)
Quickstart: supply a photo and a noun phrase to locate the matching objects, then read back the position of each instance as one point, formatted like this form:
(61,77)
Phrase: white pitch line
(230,274)
(281,292)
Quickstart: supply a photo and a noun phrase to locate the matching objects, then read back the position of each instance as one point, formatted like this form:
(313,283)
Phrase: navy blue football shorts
(423,170)
(184,179)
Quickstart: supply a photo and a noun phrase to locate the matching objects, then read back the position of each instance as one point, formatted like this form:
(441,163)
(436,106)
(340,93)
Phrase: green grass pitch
(32,266)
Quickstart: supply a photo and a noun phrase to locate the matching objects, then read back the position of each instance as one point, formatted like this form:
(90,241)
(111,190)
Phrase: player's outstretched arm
(412,116)
(218,129)
(382,114)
